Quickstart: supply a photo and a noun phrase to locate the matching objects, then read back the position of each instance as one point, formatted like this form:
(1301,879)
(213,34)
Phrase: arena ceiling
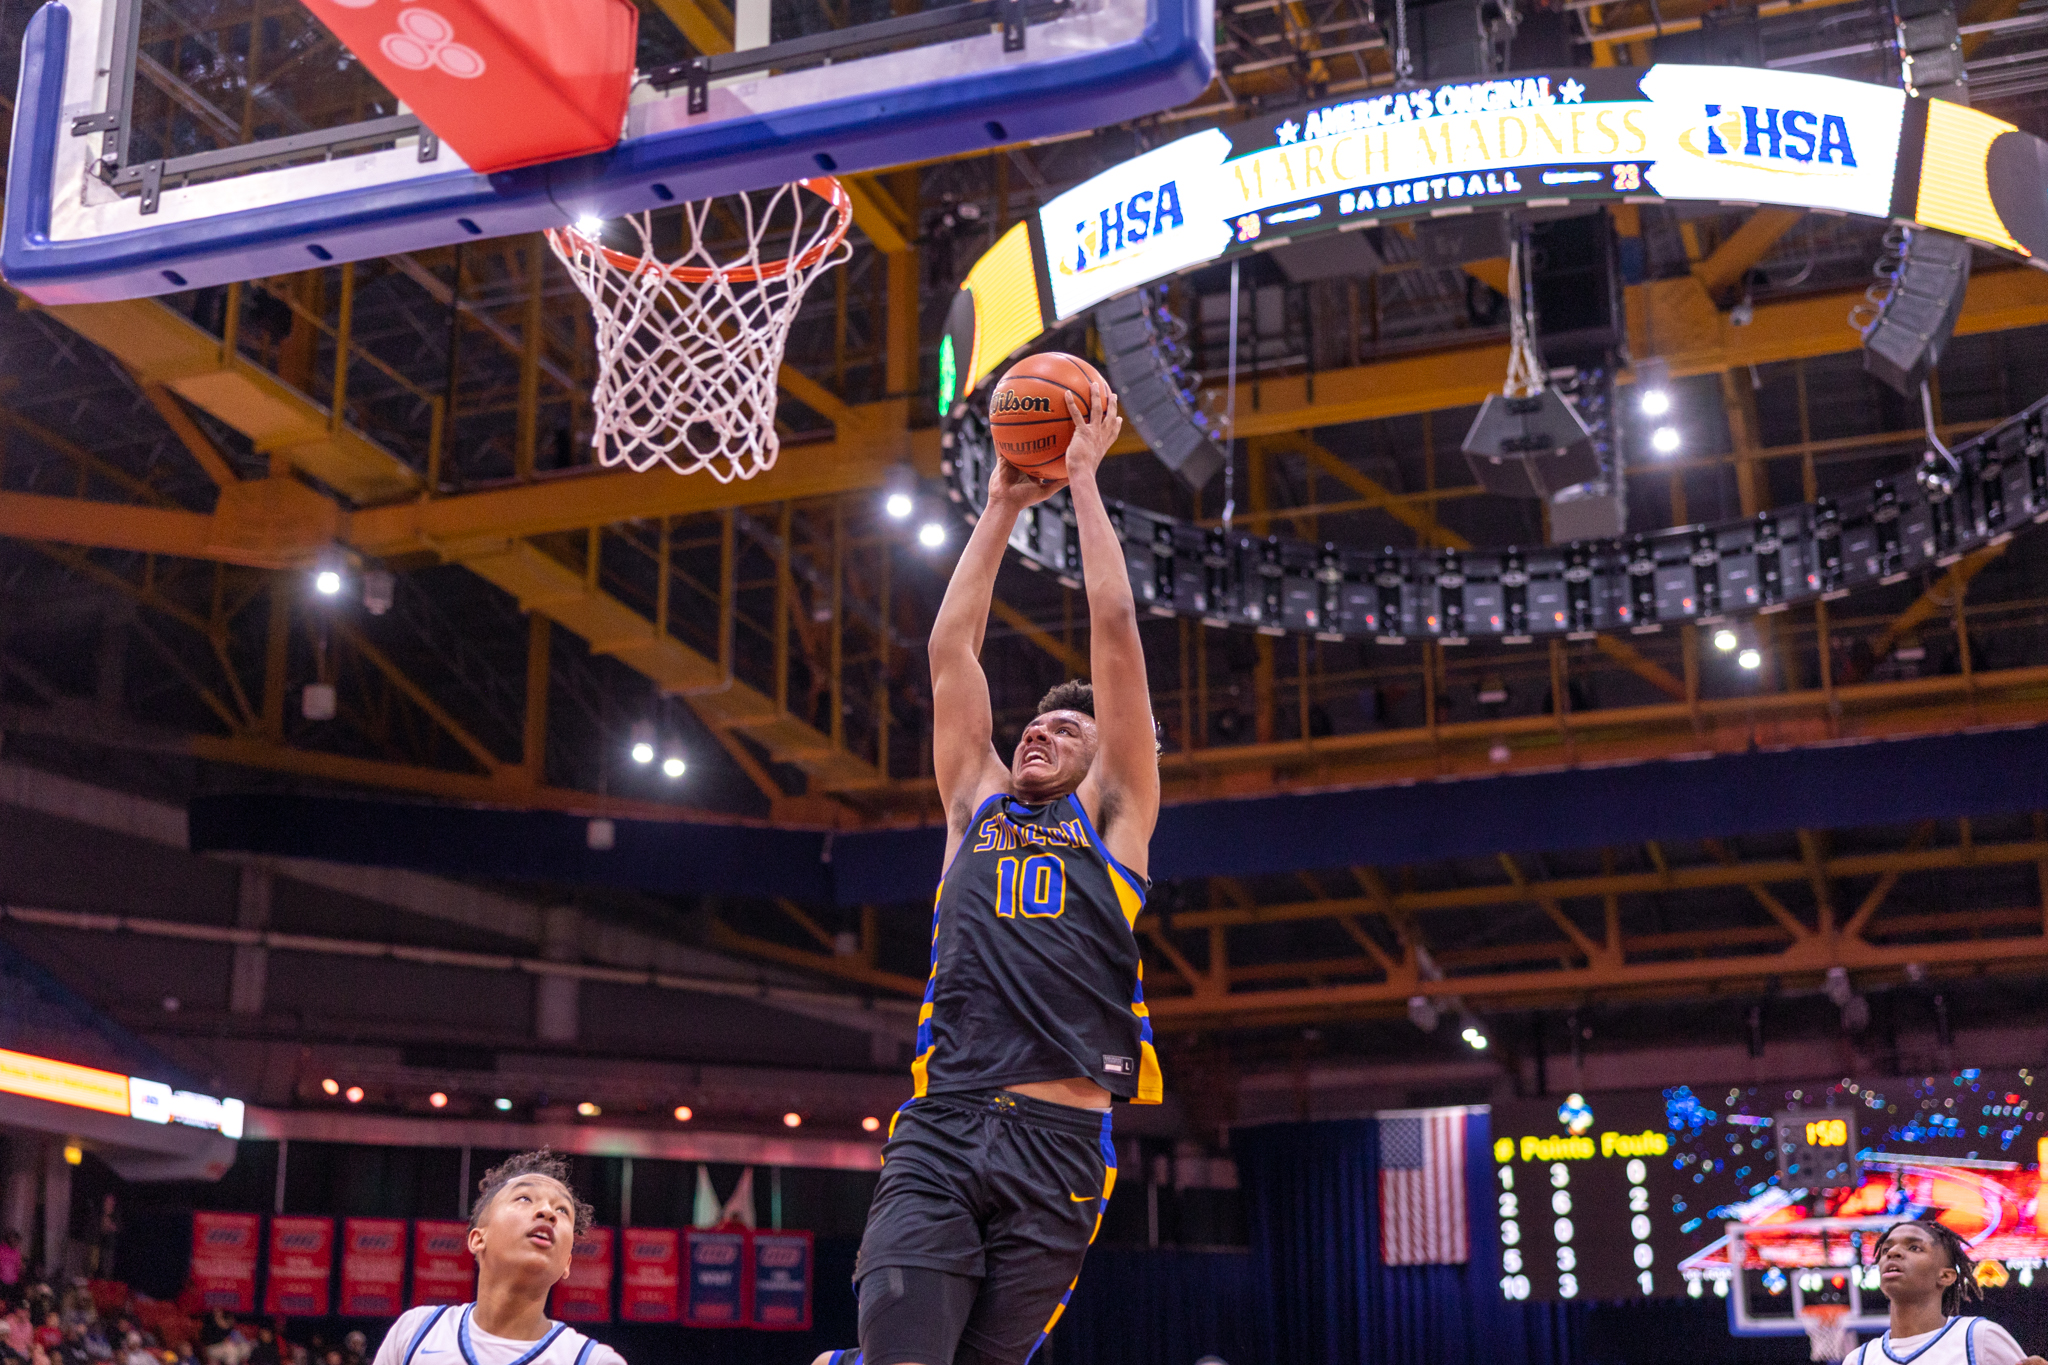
(171,468)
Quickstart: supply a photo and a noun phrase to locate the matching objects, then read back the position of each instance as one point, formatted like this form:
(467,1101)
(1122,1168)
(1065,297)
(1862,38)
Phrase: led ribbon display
(1712,133)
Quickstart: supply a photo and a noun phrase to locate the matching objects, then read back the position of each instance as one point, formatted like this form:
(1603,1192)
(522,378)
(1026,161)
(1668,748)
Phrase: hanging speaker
(1530,447)
(1904,342)
(1155,388)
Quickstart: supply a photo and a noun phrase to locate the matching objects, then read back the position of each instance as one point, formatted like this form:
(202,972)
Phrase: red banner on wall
(301,1265)
(372,1267)
(719,1268)
(443,1271)
(653,1274)
(782,1280)
(586,1295)
(224,1260)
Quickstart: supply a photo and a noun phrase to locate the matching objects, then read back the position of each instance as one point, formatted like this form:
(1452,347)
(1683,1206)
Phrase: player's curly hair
(544,1162)
(1075,695)
(1965,1288)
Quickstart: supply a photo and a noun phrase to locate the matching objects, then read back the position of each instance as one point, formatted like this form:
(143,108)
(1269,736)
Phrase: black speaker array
(1279,585)
(1913,325)
(1145,352)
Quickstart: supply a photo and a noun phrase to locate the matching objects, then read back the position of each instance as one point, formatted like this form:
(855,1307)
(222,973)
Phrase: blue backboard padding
(1169,62)
(1871,783)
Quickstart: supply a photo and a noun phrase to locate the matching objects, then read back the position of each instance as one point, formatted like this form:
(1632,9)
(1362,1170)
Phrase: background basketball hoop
(688,350)
(1827,1330)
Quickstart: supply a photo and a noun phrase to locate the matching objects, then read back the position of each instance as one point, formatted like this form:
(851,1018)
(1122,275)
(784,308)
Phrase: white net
(688,349)
(1828,1334)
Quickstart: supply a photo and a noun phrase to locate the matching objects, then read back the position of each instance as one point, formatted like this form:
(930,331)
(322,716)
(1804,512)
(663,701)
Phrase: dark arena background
(1581,491)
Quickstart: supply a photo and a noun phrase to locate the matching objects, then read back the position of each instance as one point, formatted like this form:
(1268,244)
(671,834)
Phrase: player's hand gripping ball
(1028,414)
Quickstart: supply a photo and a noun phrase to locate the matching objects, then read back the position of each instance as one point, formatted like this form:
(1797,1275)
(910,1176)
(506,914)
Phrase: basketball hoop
(689,349)
(1827,1331)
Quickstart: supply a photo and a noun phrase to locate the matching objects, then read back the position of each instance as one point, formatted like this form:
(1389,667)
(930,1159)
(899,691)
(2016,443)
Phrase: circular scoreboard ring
(1538,140)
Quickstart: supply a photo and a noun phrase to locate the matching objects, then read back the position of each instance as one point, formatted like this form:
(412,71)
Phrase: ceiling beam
(1674,319)
(1805,958)
(1733,873)
(1739,253)
(1940,597)
(1073,660)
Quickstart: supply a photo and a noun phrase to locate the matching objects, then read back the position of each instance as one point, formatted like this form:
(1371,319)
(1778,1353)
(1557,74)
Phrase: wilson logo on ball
(1006,401)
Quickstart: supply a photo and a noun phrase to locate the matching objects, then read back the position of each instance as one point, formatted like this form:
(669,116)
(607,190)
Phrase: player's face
(1913,1266)
(1054,754)
(530,1226)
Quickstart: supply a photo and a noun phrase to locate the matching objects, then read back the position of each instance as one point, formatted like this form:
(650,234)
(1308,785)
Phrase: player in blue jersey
(997,1172)
(521,1233)
(1927,1274)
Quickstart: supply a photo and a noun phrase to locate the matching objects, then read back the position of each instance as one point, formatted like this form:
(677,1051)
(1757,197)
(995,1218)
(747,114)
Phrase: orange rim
(825,187)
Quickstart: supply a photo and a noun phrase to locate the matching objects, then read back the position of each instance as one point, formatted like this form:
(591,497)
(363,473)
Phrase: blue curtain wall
(1136,1307)
(1312,1203)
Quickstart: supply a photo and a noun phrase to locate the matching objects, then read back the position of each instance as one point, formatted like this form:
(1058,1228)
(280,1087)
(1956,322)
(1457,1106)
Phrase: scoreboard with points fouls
(1645,1193)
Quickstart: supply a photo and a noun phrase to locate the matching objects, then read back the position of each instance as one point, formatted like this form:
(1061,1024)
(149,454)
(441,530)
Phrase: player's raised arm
(963,725)
(1126,771)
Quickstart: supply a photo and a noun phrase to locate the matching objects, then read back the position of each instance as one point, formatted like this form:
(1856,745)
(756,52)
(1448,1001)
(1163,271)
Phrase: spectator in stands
(10,1260)
(133,1352)
(51,1332)
(264,1351)
(72,1350)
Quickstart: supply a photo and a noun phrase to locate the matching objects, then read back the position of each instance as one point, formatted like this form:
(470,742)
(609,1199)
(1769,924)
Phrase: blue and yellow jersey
(1035,970)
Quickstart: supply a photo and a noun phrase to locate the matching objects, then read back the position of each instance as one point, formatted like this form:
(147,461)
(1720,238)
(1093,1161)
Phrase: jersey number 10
(1035,887)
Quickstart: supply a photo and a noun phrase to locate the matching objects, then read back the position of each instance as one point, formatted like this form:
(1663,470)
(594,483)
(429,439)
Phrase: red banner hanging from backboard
(443,1271)
(224,1260)
(586,1295)
(372,1267)
(652,1258)
(301,1265)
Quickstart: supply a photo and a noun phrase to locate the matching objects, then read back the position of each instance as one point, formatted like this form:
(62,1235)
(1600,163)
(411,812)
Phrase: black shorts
(992,1188)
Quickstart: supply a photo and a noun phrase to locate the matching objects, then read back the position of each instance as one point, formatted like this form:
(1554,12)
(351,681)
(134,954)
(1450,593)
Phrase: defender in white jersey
(1926,1273)
(525,1223)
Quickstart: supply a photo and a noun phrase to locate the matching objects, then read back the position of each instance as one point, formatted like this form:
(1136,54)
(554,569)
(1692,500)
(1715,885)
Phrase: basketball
(1027,413)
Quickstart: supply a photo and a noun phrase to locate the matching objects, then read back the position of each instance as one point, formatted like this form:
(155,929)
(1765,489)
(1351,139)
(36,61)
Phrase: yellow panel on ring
(1955,189)
(1007,311)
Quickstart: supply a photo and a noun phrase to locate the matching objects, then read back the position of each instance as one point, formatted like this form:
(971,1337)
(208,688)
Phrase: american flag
(1422,1188)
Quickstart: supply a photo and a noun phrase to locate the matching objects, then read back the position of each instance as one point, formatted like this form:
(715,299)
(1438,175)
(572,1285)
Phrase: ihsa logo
(1782,140)
(1122,226)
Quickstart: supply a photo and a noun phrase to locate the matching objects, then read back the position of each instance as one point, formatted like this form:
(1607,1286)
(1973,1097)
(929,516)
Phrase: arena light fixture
(589,1110)
(331,1086)
(871,1124)
(1664,440)
(931,535)
(327,582)
(792,1120)
(684,1113)
(673,766)
(354,1094)
(438,1099)
(1724,639)
(1751,659)
(590,225)
(899,505)
(1655,402)
(1475,1038)
(1422,1013)
(73,1154)
(502,1104)
(643,741)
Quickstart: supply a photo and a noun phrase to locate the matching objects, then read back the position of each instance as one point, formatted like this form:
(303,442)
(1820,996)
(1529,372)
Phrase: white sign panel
(1774,137)
(1136,222)
(1682,132)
